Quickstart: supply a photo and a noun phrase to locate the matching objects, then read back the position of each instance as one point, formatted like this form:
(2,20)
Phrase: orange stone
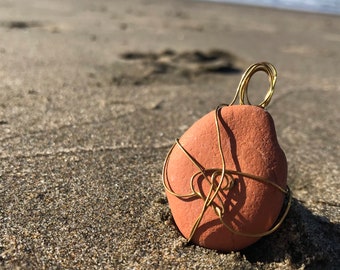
(250,145)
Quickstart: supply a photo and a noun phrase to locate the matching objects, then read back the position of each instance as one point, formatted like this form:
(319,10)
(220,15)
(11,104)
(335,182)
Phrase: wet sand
(92,96)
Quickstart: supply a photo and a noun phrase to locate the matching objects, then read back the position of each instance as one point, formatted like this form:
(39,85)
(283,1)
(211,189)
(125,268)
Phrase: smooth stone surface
(84,132)
(249,144)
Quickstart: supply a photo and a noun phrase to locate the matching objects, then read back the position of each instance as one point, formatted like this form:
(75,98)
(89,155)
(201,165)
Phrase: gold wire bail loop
(242,89)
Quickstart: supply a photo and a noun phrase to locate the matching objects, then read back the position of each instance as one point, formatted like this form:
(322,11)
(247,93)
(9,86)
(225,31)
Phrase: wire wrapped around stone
(223,179)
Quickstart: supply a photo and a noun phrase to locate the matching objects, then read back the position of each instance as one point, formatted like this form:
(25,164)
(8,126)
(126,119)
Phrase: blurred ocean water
(317,6)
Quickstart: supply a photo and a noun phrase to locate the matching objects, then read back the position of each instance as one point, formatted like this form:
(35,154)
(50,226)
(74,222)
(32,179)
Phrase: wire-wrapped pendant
(226,177)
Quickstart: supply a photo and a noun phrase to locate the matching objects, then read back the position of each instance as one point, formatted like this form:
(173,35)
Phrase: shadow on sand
(304,238)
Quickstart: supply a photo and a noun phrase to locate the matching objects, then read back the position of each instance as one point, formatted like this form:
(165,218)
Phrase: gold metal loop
(242,89)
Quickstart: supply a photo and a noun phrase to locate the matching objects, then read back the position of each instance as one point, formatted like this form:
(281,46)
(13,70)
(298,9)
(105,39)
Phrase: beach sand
(94,93)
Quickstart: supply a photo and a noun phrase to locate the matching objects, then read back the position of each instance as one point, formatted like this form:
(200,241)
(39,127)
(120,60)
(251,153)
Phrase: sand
(92,96)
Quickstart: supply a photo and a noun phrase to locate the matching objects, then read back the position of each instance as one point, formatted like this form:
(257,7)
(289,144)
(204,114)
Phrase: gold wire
(225,174)
(242,89)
